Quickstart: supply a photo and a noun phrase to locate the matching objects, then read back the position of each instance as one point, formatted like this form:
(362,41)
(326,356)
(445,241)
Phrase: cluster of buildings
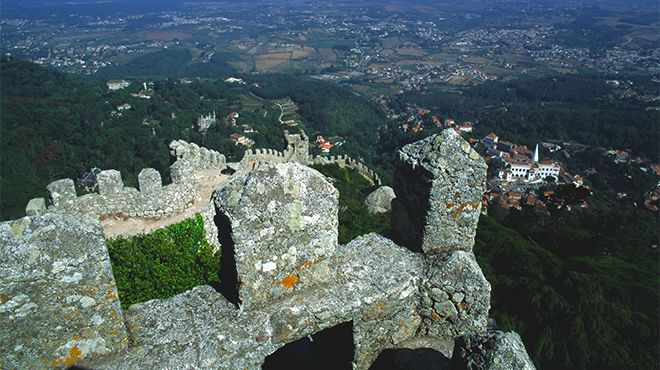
(325,145)
(242,140)
(520,163)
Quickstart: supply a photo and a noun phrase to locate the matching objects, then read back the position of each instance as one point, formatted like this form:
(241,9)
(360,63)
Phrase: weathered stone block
(109,182)
(58,300)
(380,200)
(150,181)
(455,296)
(283,220)
(35,206)
(439,183)
(61,192)
(491,351)
(375,286)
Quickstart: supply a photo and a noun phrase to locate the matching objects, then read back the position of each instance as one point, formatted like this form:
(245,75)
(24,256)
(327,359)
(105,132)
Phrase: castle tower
(535,158)
(297,147)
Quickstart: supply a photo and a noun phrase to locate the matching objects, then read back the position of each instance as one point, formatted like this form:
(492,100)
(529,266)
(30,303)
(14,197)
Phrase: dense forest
(56,126)
(580,287)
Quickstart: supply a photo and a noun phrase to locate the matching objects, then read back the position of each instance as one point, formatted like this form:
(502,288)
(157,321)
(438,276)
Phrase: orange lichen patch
(379,309)
(463,305)
(435,316)
(74,355)
(475,205)
(318,260)
(308,264)
(290,281)
(450,205)
(460,208)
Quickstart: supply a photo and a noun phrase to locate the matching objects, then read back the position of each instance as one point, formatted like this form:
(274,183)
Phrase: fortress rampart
(152,200)
(284,276)
(155,200)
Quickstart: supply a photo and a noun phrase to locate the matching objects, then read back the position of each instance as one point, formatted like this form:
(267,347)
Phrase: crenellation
(150,181)
(35,207)
(61,192)
(109,182)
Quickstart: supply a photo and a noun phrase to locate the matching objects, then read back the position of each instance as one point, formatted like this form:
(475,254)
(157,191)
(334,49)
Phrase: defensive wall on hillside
(284,277)
(155,200)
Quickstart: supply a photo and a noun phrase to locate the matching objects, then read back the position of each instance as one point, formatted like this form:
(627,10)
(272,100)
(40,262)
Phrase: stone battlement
(153,200)
(284,275)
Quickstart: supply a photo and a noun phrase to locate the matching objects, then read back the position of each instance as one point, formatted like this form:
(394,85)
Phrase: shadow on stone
(330,349)
(228,284)
(228,171)
(409,359)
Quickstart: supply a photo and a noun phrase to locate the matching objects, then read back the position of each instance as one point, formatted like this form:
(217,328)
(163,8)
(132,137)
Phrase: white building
(117,84)
(524,169)
(204,122)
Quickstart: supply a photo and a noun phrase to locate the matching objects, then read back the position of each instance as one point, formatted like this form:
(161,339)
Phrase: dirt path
(207,182)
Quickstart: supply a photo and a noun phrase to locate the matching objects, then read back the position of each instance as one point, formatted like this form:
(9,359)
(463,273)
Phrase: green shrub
(163,263)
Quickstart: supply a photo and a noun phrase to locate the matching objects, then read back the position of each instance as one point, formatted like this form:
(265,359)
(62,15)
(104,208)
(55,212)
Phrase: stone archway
(405,359)
(330,349)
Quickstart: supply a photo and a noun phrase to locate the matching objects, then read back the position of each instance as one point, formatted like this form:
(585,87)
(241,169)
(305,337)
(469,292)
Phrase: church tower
(535,158)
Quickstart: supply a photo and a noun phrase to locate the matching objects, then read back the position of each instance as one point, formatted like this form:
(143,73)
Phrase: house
(240,139)
(490,139)
(505,146)
(233,80)
(114,85)
(326,146)
(337,140)
(124,107)
(464,128)
(205,121)
(248,129)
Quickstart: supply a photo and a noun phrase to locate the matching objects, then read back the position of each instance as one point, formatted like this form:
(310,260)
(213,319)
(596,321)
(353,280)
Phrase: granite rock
(283,227)
(380,200)
(491,351)
(455,296)
(439,182)
(58,298)
(375,286)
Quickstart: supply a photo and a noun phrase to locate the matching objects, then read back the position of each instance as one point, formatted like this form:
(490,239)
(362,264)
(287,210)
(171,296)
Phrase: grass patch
(164,263)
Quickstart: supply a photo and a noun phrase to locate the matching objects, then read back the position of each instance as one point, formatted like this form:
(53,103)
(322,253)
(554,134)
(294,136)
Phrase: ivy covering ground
(164,263)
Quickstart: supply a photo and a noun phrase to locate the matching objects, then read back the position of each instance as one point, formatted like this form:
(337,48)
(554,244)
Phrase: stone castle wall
(277,225)
(155,200)
(152,200)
